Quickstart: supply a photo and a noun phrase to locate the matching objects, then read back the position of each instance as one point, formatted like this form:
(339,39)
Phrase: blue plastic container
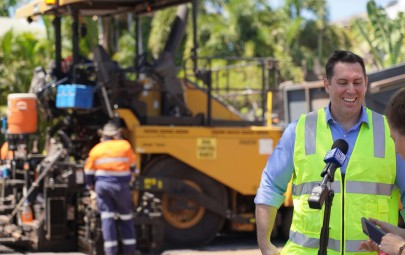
(3,124)
(74,96)
(6,172)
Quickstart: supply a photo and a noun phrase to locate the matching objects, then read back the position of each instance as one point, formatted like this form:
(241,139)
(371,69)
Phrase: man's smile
(350,99)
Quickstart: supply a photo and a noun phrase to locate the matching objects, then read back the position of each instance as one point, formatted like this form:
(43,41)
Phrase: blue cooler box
(74,96)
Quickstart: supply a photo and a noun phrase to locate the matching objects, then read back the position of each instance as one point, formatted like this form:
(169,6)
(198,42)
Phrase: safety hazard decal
(206,148)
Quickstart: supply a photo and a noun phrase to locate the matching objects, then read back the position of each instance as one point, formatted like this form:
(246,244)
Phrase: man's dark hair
(395,111)
(342,56)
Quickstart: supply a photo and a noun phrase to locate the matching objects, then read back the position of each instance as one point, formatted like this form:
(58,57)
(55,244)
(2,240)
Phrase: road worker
(4,152)
(108,173)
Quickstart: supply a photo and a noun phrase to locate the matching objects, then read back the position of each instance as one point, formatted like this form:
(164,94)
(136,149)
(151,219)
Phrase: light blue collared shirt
(279,168)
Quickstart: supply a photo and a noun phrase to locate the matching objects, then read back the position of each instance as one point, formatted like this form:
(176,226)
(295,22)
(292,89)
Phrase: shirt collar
(363,116)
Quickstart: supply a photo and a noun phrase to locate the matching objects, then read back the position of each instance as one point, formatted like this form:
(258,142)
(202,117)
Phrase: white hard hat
(110,129)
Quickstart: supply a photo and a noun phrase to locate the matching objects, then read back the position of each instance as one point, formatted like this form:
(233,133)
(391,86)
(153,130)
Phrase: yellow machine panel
(232,156)
(196,99)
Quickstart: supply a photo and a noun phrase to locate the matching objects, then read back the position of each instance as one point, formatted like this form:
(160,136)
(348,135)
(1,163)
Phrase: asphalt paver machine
(199,160)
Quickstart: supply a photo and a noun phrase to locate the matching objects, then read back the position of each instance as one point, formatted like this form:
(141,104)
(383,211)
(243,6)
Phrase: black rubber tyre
(193,225)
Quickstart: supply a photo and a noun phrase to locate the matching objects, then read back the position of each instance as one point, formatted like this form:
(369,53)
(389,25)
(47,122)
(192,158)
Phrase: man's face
(399,141)
(346,89)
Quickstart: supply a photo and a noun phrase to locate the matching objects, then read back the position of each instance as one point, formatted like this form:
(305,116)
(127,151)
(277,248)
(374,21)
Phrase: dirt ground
(223,245)
(227,245)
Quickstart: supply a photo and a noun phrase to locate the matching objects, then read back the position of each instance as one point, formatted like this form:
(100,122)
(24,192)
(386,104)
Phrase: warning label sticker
(265,146)
(206,148)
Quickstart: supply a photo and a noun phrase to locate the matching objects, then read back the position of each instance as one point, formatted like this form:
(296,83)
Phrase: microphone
(334,158)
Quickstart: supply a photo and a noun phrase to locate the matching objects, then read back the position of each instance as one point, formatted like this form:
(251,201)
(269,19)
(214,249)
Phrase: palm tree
(301,38)
(19,55)
(383,36)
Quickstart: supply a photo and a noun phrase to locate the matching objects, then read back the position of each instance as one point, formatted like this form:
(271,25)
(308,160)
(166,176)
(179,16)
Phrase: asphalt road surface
(225,245)
(240,244)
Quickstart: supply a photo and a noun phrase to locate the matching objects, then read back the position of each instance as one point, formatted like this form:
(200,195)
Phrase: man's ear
(366,82)
(326,85)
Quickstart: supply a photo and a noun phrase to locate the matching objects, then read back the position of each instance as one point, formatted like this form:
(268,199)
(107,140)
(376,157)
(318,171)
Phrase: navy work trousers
(114,200)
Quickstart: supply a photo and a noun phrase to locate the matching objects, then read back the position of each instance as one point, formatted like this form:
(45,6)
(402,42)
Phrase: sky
(342,9)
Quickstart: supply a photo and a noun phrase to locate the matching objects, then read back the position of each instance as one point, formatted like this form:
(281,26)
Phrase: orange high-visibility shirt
(112,156)
(5,153)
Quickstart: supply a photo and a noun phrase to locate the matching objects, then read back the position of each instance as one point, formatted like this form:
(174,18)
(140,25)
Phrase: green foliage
(126,55)
(5,6)
(383,36)
(246,28)
(305,39)
(160,30)
(88,33)
(19,55)
(249,28)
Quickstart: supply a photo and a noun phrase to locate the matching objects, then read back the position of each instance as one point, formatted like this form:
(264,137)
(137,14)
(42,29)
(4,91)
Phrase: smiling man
(365,186)
(346,84)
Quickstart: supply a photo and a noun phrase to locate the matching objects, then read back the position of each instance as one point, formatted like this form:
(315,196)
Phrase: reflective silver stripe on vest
(310,242)
(333,244)
(306,188)
(112,173)
(310,133)
(379,135)
(111,160)
(372,188)
(353,245)
(89,171)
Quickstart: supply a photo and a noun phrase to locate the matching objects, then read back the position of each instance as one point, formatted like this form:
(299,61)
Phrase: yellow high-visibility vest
(368,189)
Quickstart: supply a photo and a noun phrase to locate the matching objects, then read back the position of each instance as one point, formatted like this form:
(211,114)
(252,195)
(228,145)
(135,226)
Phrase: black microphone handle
(329,173)
(325,169)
